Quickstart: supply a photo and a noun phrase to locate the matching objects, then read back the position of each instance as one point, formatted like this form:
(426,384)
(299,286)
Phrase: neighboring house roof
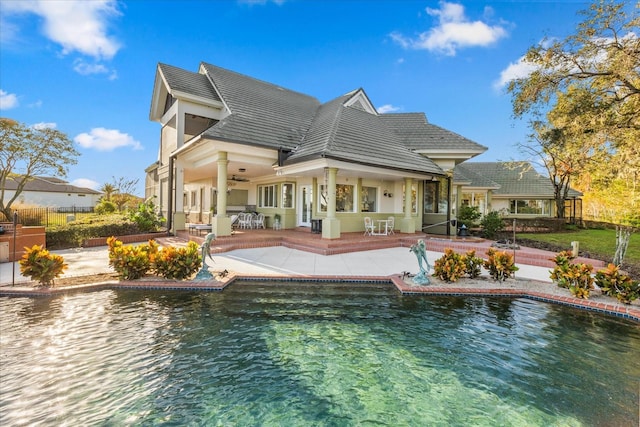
(48,184)
(517,179)
(345,128)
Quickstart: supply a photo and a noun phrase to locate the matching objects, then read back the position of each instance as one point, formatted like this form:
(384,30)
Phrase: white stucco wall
(58,200)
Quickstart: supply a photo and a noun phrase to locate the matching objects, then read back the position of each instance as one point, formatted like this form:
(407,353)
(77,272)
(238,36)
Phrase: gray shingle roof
(268,115)
(419,134)
(48,184)
(514,178)
(188,82)
(472,178)
(351,134)
(261,113)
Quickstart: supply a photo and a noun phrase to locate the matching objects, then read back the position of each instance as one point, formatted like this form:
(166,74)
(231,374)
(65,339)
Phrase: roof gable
(351,134)
(359,100)
(179,81)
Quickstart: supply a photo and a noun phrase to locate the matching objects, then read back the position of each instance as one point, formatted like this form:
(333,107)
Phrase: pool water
(288,354)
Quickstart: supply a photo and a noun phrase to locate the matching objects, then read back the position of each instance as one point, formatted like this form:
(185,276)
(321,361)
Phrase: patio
(301,238)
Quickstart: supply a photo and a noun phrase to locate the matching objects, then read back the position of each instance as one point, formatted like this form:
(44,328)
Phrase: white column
(331,224)
(221,223)
(222,184)
(408,225)
(179,216)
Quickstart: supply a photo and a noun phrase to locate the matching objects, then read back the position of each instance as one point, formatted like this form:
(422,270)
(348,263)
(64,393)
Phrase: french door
(305,207)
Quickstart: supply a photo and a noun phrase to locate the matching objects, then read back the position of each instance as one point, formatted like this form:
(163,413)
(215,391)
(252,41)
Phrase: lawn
(595,242)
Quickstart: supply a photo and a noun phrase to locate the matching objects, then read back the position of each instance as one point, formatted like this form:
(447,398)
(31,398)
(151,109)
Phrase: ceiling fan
(238,178)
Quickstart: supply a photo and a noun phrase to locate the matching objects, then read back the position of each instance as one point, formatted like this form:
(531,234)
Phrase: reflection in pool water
(312,354)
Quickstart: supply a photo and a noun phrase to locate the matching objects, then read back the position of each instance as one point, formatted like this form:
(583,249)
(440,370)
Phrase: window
(193,199)
(435,197)
(478,200)
(529,207)
(344,198)
(268,196)
(369,199)
(287,195)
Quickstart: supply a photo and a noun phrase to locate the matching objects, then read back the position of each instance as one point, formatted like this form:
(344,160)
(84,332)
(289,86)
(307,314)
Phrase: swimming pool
(263,353)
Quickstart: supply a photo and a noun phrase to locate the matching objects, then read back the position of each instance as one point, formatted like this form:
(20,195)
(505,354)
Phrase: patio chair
(235,221)
(258,221)
(244,219)
(391,222)
(368,226)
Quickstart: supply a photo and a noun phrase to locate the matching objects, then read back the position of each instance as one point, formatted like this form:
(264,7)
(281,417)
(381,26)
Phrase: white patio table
(386,227)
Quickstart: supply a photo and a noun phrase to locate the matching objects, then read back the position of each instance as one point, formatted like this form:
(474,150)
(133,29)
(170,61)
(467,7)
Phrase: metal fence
(46,216)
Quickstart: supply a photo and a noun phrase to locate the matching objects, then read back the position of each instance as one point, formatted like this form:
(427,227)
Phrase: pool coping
(628,312)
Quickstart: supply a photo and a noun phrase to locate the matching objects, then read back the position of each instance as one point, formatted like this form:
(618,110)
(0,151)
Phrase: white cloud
(387,108)
(84,68)
(515,70)
(453,32)
(86,183)
(103,139)
(77,25)
(8,100)
(45,125)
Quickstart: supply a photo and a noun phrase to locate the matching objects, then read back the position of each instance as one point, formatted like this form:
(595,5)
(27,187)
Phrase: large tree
(26,152)
(122,195)
(561,156)
(587,88)
(601,63)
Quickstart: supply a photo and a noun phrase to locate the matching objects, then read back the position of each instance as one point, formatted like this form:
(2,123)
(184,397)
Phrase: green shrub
(178,263)
(614,283)
(131,262)
(105,207)
(469,216)
(491,225)
(42,266)
(575,277)
(74,234)
(450,267)
(473,264)
(500,264)
(146,216)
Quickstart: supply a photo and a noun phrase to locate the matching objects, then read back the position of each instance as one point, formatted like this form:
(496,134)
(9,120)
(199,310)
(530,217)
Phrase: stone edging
(623,311)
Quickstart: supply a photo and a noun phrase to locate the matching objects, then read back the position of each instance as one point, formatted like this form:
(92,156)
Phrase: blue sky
(87,67)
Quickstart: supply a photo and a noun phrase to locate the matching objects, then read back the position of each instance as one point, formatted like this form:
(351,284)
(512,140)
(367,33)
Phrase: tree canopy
(583,100)
(26,152)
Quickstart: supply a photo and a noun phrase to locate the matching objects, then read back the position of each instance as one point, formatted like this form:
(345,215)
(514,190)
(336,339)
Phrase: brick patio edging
(625,312)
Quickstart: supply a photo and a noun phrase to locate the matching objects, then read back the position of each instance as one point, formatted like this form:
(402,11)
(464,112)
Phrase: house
(231,143)
(45,191)
(515,189)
